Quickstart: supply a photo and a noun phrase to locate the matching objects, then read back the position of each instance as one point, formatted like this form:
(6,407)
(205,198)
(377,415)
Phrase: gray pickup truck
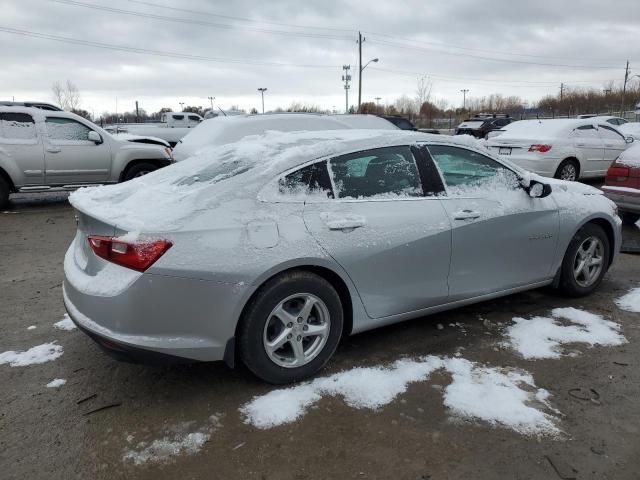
(43,150)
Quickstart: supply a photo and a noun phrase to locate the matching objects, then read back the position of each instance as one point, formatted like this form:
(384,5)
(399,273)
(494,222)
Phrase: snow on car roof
(223,130)
(543,128)
(165,199)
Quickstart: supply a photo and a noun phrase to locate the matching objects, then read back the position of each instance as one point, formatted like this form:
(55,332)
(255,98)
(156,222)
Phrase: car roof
(38,112)
(40,105)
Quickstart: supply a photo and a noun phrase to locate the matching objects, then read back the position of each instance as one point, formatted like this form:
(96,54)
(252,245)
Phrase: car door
(614,144)
(70,157)
(21,147)
(590,149)
(391,237)
(501,237)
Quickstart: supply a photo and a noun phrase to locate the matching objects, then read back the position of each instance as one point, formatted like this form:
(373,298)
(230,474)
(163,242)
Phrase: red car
(622,184)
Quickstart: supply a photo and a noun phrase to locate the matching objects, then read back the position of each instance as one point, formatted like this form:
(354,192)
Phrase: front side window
(194,118)
(381,172)
(66,129)
(464,169)
(178,117)
(17,126)
(609,133)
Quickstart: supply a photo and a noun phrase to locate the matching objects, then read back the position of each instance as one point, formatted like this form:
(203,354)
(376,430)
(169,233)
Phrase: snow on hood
(230,174)
(137,138)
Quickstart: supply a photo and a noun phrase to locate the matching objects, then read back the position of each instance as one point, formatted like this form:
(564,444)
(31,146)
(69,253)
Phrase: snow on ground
(58,382)
(542,337)
(500,397)
(65,324)
(178,442)
(38,354)
(31,327)
(630,302)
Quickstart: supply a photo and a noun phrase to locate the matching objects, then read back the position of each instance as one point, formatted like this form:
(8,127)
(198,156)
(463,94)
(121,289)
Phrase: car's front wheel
(585,262)
(291,327)
(139,170)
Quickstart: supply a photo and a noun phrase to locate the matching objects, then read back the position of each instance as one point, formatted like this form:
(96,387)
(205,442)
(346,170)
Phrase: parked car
(40,105)
(569,149)
(42,150)
(400,122)
(622,184)
(171,128)
(271,249)
(222,130)
(480,127)
(615,121)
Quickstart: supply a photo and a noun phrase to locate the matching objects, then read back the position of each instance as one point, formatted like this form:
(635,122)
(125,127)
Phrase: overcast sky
(296,49)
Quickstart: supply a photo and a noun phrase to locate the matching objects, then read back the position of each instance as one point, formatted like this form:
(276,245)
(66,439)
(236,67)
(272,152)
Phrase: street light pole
(262,90)
(464,98)
(374,60)
(181,106)
(211,99)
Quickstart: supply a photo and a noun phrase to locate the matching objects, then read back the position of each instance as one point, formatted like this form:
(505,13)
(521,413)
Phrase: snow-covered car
(223,130)
(482,126)
(630,129)
(171,127)
(615,121)
(271,249)
(42,150)
(568,149)
(622,184)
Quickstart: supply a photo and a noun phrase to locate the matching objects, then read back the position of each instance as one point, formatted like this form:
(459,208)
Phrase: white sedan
(568,149)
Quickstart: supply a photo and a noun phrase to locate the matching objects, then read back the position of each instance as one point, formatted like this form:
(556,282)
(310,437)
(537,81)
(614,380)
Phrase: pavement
(86,428)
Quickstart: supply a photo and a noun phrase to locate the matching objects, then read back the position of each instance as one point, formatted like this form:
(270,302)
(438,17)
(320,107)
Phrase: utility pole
(346,78)
(137,113)
(377,99)
(624,89)
(464,98)
(211,99)
(262,90)
(360,40)
(181,106)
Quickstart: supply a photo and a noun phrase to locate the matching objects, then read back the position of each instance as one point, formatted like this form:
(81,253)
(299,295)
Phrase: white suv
(43,150)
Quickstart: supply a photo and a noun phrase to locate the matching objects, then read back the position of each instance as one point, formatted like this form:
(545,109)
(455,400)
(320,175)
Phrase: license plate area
(504,151)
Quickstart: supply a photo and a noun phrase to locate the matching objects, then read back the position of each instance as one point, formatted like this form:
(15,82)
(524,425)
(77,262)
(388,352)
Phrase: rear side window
(178,117)
(310,180)
(17,126)
(66,129)
(586,131)
(386,172)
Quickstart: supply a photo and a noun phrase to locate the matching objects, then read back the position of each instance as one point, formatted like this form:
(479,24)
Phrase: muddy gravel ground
(62,433)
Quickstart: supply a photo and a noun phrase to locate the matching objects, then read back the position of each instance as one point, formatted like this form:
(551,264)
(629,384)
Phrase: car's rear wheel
(139,170)
(629,218)
(585,262)
(4,193)
(568,170)
(291,327)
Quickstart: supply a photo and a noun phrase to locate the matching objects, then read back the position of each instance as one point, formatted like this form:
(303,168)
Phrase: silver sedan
(270,250)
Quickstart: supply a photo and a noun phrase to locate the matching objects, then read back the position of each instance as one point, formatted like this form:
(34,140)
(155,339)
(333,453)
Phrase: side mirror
(629,139)
(538,190)
(94,137)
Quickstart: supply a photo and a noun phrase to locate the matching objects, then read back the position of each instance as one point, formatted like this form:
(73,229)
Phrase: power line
(203,23)
(240,19)
(157,53)
(493,59)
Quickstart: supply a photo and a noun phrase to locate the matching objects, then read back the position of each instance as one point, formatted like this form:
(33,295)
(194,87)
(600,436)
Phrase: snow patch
(31,327)
(501,397)
(630,302)
(38,354)
(542,337)
(58,382)
(179,442)
(65,324)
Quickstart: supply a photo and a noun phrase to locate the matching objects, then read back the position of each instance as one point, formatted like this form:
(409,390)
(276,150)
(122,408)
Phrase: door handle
(344,225)
(466,215)
(345,222)
(581,144)
(54,149)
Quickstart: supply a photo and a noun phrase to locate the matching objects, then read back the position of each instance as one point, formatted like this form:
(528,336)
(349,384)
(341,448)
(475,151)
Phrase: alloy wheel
(296,330)
(568,172)
(588,262)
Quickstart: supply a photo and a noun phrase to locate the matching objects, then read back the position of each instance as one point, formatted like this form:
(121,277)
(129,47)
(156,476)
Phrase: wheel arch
(608,230)
(5,176)
(137,161)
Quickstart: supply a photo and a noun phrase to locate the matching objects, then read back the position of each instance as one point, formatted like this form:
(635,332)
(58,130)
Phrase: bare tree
(66,95)
(423,91)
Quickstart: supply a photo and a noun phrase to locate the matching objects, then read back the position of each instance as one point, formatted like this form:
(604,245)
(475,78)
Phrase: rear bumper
(545,167)
(626,201)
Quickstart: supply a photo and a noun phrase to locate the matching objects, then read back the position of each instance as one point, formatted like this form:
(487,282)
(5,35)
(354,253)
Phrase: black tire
(138,170)
(566,167)
(568,283)
(629,218)
(4,193)
(252,326)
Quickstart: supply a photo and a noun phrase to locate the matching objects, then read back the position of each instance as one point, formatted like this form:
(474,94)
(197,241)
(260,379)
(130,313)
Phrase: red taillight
(540,148)
(135,255)
(618,173)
